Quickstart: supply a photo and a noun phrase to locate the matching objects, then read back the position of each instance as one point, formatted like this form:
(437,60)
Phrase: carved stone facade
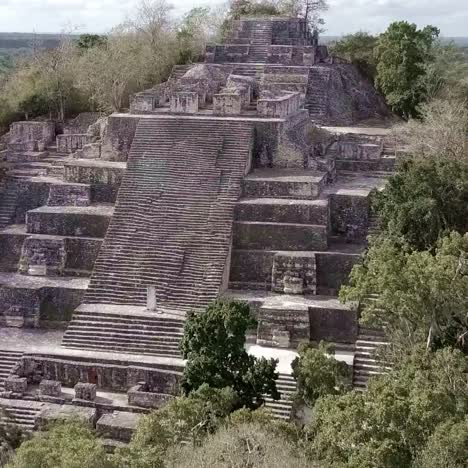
(294,273)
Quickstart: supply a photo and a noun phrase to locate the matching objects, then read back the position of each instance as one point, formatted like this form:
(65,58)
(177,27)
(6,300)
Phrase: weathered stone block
(43,256)
(140,396)
(276,325)
(52,413)
(184,103)
(16,384)
(118,425)
(32,131)
(227,104)
(294,273)
(50,388)
(85,391)
(72,143)
(69,195)
(279,236)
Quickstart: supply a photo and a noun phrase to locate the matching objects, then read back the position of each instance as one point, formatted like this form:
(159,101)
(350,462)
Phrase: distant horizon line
(103,34)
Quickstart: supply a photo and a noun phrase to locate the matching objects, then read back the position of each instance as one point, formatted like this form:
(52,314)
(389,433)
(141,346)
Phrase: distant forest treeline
(11,41)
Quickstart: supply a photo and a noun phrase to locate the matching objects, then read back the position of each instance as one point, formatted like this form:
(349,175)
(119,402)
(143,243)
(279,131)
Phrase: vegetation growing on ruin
(390,424)
(410,67)
(70,444)
(214,346)
(319,374)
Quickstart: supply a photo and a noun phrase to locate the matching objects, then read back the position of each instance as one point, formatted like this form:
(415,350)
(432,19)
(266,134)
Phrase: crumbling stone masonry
(226,181)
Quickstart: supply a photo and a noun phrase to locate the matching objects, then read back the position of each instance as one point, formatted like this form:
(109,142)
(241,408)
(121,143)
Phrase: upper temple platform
(273,40)
(267,67)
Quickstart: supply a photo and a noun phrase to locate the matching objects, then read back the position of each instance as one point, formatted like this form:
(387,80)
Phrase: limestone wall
(116,376)
(118,137)
(31,131)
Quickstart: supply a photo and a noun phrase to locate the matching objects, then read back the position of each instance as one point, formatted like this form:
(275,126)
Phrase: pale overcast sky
(345,16)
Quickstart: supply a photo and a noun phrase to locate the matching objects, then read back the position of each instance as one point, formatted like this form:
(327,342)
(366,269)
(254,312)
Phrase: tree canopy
(419,297)
(70,444)
(214,346)
(424,200)
(389,425)
(318,374)
(402,52)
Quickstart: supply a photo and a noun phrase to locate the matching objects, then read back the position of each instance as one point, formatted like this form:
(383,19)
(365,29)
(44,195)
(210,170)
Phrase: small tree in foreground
(70,444)
(182,420)
(319,374)
(214,347)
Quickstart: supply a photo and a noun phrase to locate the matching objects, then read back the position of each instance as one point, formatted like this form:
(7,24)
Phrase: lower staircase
(143,333)
(282,408)
(366,363)
(19,414)
(8,360)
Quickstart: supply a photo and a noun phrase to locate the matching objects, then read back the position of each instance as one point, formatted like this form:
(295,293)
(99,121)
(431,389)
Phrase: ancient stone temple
(246,176)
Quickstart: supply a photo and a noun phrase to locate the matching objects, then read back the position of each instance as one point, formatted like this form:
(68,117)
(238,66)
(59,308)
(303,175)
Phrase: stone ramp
(174,214)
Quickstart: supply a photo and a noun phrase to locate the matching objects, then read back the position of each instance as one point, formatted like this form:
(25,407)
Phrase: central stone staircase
(261,42)
(8,360)
(173,218)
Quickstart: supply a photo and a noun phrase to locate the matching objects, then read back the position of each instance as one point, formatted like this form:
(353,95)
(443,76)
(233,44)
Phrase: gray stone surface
(118,425)
(53,412)
(50,388)
(85,391)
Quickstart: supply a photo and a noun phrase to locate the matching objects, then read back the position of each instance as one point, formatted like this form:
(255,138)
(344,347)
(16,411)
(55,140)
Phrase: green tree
(238,8)
(88,41)
(419,297)
(70,444)
(447,447)
(402,53)
(424,200)
(358,48)
(387,426)
(214,346)
(319,374)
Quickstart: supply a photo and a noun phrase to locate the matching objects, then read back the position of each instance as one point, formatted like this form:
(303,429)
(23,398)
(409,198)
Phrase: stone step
(76,344)
(252,235)
(274,183)
(283,210)
(106,335)
(134,328)
(82,221)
